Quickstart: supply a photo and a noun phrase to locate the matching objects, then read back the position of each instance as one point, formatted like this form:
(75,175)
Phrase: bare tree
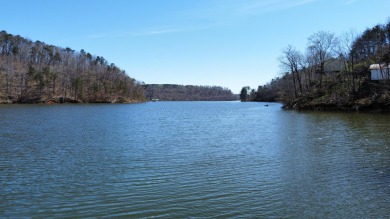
(291,61)
(36,71)
(322,45)
(347,55)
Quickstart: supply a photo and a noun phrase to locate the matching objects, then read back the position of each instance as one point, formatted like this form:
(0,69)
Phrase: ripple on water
(192,159)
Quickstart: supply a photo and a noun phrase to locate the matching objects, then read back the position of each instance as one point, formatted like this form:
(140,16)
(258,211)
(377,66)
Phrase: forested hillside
(173,92)
(35,72)
(332,73)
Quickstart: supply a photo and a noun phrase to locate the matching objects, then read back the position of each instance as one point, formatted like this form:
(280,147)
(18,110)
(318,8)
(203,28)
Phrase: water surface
(192,159)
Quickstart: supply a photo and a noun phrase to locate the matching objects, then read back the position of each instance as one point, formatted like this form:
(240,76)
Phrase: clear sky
(229,43)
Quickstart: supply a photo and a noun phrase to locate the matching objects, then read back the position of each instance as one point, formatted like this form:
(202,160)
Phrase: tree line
(173,92)
(333,71)
(38,72)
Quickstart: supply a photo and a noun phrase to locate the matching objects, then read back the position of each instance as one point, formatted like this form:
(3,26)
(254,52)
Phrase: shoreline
(335,108)
(62,100)
(378,103)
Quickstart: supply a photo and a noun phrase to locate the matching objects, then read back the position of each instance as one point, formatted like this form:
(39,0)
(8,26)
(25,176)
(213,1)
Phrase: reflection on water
(192,159)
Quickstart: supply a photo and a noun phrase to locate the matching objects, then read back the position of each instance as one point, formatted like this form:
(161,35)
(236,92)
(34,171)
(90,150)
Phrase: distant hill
(173,92)
(35,72)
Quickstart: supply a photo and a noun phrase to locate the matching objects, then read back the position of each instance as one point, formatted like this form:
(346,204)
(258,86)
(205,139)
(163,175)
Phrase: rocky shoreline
(62,100)
(377,103)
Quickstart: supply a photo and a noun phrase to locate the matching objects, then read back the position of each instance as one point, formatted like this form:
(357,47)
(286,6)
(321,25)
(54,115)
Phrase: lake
(192,159)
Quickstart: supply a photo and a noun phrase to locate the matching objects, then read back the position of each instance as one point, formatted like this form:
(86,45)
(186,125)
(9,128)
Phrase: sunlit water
(192,159)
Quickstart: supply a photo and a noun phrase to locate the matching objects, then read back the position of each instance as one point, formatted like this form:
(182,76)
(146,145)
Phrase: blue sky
(229,43)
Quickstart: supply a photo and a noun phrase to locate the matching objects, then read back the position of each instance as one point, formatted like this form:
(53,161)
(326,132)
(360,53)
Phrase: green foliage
(266,93)
(244,94)
(78,87)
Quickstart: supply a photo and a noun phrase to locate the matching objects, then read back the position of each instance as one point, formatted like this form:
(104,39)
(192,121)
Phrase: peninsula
(336,73)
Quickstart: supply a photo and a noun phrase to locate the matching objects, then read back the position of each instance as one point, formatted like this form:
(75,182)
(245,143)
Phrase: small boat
(155,100)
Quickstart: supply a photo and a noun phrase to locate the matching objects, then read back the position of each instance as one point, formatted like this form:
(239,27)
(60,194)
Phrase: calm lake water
(192,159)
